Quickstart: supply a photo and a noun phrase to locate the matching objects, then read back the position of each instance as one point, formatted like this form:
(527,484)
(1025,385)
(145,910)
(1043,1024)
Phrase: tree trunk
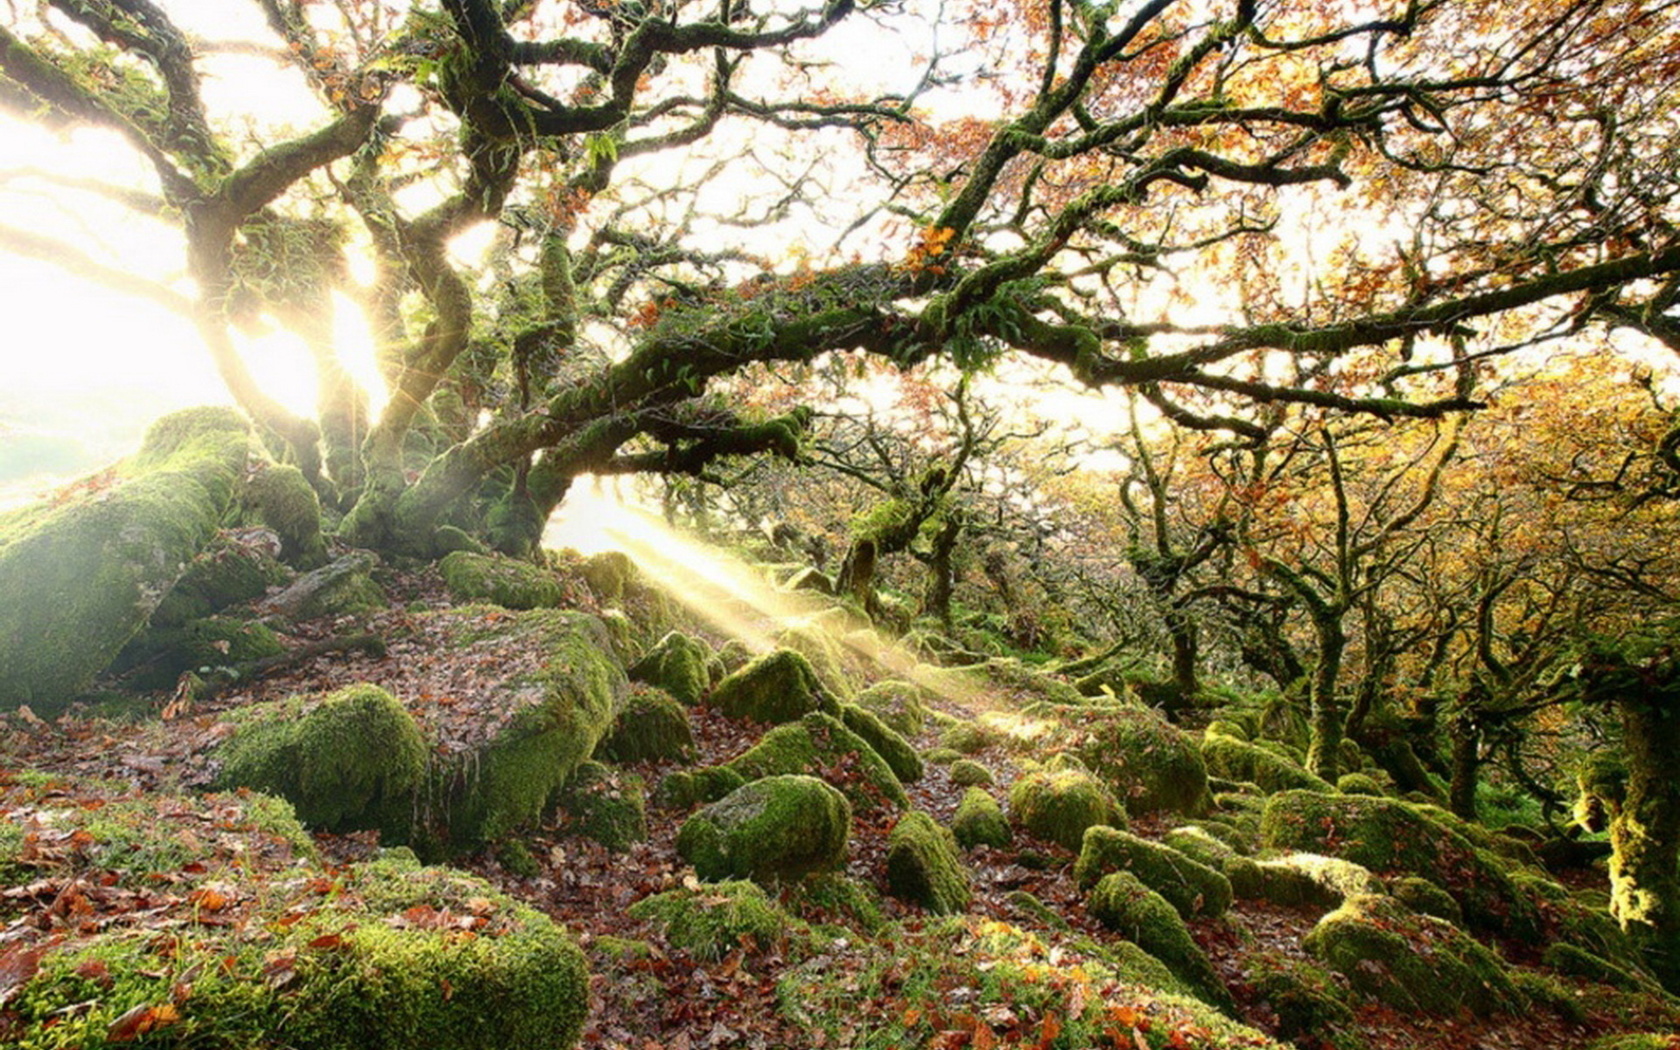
(1326,718)
(1645,837)
(1182,630)
(941,572)
(1466,765)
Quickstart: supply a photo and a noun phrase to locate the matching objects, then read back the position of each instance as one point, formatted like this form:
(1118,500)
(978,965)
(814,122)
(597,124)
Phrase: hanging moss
(779,828)
(924,867)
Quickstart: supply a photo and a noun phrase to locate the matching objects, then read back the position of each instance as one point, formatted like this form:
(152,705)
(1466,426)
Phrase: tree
(1523,149)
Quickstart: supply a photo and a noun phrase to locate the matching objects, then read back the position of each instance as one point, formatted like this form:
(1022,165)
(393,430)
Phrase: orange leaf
(1048,1032)
(327,941)
(911,1016)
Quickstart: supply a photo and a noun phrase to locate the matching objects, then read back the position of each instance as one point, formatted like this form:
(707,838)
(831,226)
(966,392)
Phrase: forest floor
(669,999)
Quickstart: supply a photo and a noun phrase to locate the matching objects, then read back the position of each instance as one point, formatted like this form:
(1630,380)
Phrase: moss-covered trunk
(1466,765)
(1327,715)
(1645,836)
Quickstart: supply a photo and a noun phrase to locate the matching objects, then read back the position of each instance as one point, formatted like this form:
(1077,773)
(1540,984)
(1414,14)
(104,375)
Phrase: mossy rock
(346,594)
(158,657)
(1121,902)
(897,752)
(1041,914)
(1359,784)
(1308,878)
(508,582)
(608,574)
(1193,888)
(82,575)
(684,788)
(1411,962)
(650,727)
(1306,999)
(1060,801)
(924,866)
(778,687)
(820,745)
(1148,763)
(1426,898)
(941,756)
(351,759)
(1239,760)
(285,501)
(604,806)
(834,898)
(967,738)
(679,664)
(227,573)
(1022,684)
(965,772)
(714,920)
(1200,845)
(1392,837)
(898,704)
(776,829)
(979,821)
(825,655)
(1578,962)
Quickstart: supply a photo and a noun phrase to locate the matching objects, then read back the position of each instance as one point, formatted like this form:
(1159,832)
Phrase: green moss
(604,805)
(349,594)
(223,575)
(777,687)
(898,704)
(284,500)
(979,821)
(352,760)
(608,573)
(508,582)
(157,658)
(1238,760)
(941,756)
(1358,784)
(1578,962)
(893,748)
(924,867)
(1022,684)
(1029,906)
(714,920)
(83,574)
(1148,763)
(1121,902)
(1307,878)
(966,772)
(832,898)
(1636,1041)
(678,664)
(1411,961)
(825,655)
(1191,887)
(1195,842)
(1426,898)
(1306,1000)
(1059,802)
(819,745)
(778,828)
(967,738)
(650,727)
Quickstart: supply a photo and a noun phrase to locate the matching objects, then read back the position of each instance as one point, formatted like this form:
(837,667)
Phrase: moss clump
(224,575)
(608,573)
(1059,802)
(1200,845)
(924,867)
(1411,961)
(941,756)
(980,822)
(1238,760)
(351,760)
(1022,684)
(1147,762)
(508,582)
(1306,999)
(650,727)
(716,919)
(1358,784)
(834,898)
(779,828)
(900,757)
(967,738)
(824,654)
(684,788)
(1426,898)
(819,745)
(285,501)
(678,664)
(1121,902)
(83,574)
(1307,878)
(1191,887)
(898,704)
(776,687)
(605,806)
(1578,962)
(157,658)
(965,772)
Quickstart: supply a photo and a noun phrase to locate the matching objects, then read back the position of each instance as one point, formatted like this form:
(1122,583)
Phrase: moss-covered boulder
(777,687)
(234,568)
(899,755)
(1308,1002)
(979,821)
(1391,837)
(1199,844)
(968,738)
(283,499)
(508,582)
(1059,802)
(158,656)
(604,805)
(1234,759)
(776,829)
(81,574)
(684,788)
(609,573)
(1307,878)
(1121,902)
(650,727)
(825,654)
(1409,961)
(1191,887)
(352,759)
(1359,784)
(679,664)
(1425,898)
(822,746)
(898,704)
(714,920)
(924,866)
(1149,763)
(965,772)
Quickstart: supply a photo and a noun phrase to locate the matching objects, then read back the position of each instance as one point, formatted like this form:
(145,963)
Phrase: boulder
(678,664)
(1149,763)
(821,746)
(285,501)
(965,772)
(650,727)
(1193,888)
(1060,801)
(776,829)
(979,821)
(924,866)
(499,580)
(1234,759)
(716,919)
(777,687)
(605,806)
(898,704)
(893,748)
(1306,878)
(1121,902)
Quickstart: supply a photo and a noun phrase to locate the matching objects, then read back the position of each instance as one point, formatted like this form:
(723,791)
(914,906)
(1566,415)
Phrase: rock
(893,748)
(924,867)
(678,664)
(1147,762)
(716,919)
(1409,961)
(966,772)
(604,806)
(1192,888)
(684,788)
(825,655)
(1426,898)
(1238,760)
(650,727)
(967,738)
(898,704)
(352,759)
(779,828)
(341,587)
(819,745)
(777,687)
(285,501)
(157,657)
(608,573)
(235,568)
(1059,802)
(82,575)
(1307,878)
(979,821)
(1308,1002)
(1121,902)
(499,580)
(1358,784)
